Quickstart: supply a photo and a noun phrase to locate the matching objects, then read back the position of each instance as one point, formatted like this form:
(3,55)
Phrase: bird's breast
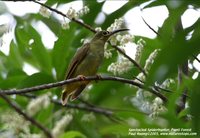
(90,64)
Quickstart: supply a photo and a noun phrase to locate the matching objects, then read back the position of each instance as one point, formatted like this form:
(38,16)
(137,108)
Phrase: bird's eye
(105,32)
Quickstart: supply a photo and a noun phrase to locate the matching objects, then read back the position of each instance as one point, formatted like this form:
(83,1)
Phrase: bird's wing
(77,92)
(76,60)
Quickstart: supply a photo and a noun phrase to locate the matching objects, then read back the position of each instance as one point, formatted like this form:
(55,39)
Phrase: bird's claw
(82,77)
(98,77)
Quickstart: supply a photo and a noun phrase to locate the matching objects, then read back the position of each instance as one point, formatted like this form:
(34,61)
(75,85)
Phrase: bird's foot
(98,77)
(82,77)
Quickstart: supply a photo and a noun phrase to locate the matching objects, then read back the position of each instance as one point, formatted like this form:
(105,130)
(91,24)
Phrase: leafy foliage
(27,47)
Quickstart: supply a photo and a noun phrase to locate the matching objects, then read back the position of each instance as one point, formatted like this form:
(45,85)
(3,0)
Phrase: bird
(85,62)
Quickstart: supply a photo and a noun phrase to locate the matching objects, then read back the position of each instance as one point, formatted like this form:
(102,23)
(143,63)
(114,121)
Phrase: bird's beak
(119,30)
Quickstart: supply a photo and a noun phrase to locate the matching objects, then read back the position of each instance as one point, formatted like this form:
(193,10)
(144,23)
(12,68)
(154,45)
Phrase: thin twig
(94,109)
(150,26)
(86,108)
(130,59)
(157,87)
(61,83)
(196,58)
(89,28)
(94,31)
(64,15)
(27,117)
(182,71)
(85,102)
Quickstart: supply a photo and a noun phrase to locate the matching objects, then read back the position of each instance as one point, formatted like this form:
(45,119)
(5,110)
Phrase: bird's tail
(65,96)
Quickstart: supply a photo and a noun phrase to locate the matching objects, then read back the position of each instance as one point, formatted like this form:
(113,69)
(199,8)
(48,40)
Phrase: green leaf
(95,8)
(11,82)
(62,52)
(40,53)
(183,113)
(22,39)
(14,57)
(174,52)
(194,88)
(3,63)
(16,72)
(73,134)
(45,116)
(35,53)
(119,13)
(13,78)
(115,129)
(36,79)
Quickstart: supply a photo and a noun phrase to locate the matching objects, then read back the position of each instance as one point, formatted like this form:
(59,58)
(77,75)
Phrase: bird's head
(105,35)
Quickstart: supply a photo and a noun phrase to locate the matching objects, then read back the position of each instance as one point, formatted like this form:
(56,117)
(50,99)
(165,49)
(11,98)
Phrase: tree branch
(196,58)
(94,31)
(60,84)
(102,78)
(64,15)
(89,28)
(150,26)
(86,108)
(130,59)
(27,117)
(83,107)
(182,71)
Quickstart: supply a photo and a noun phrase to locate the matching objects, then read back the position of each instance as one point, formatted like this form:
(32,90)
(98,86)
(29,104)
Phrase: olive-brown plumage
(85,62)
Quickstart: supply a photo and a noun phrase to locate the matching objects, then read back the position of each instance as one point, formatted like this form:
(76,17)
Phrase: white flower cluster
(98,29)
(88,117)
(83,11)
(116,25)
(124,39)
(14,121)
(140,102)
(4,28)
(148,63)
(113,41)
(72,13)
(140,47)
(153,108)
(61,125)
(16,126)
(107,52)
(140,77)
(37,104)
(65,25)
(119,39)
(150,59)
(45,12)
(157,107)
(167,83)
(121,66)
